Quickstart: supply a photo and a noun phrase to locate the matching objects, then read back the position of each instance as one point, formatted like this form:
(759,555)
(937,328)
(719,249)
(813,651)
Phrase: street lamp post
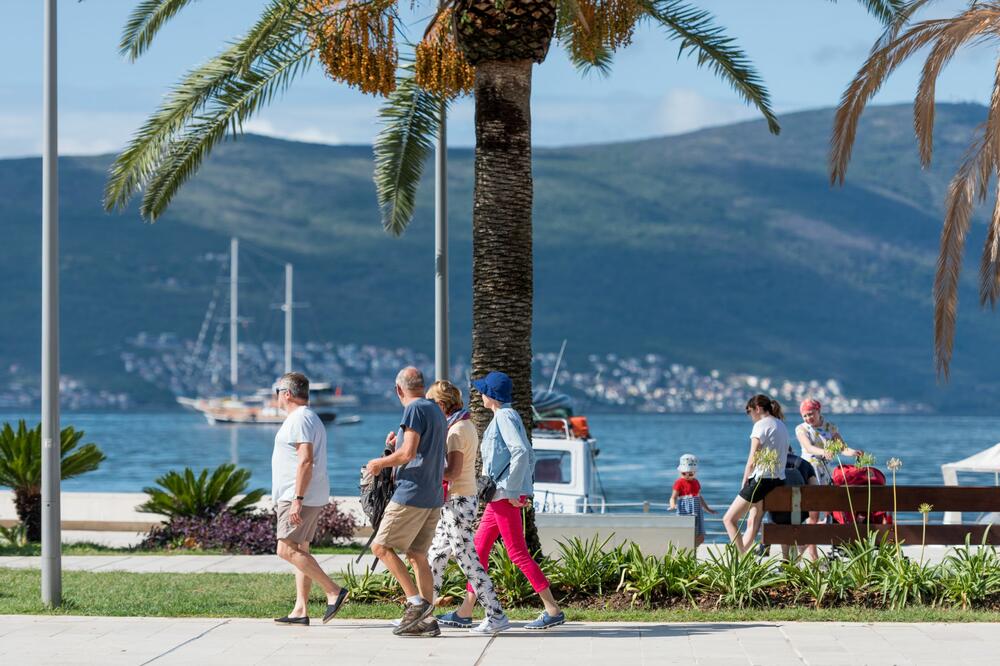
(51,448)
(441,251)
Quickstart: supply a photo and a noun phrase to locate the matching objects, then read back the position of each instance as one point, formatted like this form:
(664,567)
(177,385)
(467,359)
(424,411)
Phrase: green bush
(182,494)
(21,468)
(584,567)
(739,578)
(970,578)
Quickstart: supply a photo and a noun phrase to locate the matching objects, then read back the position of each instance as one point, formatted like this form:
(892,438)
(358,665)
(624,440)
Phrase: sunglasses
(278,391)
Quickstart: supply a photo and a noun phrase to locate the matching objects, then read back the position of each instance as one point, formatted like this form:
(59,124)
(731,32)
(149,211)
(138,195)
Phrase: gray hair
(410,380)
(297,385)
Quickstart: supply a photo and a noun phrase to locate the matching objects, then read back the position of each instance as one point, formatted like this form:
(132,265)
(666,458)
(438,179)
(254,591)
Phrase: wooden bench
(798,499)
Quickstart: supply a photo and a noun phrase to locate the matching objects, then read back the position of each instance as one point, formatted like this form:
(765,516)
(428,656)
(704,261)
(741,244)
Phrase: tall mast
(287,307)
(234,312)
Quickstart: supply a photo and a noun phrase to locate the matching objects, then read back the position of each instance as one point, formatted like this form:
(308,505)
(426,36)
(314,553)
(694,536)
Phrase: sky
(805,50)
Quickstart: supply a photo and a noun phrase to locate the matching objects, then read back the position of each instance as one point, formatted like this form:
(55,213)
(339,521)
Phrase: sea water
(637,461)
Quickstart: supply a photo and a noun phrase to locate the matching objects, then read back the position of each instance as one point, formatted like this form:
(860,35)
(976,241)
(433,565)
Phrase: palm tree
(902,38)
(21,468)
(486,47)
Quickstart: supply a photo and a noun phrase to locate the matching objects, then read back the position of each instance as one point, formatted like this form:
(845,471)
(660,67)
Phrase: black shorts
(756,490)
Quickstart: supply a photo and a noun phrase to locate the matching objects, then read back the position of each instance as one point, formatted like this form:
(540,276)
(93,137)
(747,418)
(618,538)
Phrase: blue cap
(496,385)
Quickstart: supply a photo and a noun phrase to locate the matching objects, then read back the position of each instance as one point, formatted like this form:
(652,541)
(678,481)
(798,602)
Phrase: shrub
(21,468)
(676,574)
(969,577)
(902,582)
(185,495)
(511,585)
(739,578)
(584,567)
(244,533)
(819,580)
(370,586)
(335,526)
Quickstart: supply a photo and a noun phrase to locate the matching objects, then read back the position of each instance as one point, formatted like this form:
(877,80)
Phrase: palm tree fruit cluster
(505,30)
(356,43)
(440,66)
(600,24)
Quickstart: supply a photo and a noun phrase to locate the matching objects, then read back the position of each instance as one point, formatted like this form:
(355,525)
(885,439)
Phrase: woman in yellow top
(457,528)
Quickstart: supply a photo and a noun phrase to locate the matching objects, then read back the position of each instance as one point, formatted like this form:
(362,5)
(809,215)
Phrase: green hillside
(723,248)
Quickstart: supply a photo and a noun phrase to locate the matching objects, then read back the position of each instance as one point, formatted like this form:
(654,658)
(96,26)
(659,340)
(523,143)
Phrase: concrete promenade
(30,640)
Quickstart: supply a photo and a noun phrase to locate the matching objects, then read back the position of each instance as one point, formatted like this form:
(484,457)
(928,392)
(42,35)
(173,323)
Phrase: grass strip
(271,595)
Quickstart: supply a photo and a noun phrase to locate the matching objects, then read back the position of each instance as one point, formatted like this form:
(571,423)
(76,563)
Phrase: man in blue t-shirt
(411,517)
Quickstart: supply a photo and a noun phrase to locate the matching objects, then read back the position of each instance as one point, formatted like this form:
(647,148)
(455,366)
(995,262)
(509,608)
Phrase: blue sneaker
(453,619)
(546,621)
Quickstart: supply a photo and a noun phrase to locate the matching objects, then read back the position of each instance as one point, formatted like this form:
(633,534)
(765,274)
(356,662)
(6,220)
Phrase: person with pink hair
(814,433)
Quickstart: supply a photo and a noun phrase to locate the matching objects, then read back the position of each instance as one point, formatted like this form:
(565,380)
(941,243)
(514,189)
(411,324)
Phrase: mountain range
(724,248)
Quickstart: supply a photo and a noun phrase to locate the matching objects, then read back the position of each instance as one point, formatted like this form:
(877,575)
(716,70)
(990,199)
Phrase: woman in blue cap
(509,459)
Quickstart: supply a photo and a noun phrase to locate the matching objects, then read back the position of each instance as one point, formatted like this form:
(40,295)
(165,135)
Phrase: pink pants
(502,518)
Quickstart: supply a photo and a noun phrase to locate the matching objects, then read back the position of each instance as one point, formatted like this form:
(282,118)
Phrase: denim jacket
(506,441)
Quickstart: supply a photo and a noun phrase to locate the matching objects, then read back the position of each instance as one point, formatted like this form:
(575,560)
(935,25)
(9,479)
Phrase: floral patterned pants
(454,538)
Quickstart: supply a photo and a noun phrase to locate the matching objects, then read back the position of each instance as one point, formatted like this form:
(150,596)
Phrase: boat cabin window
(553,466)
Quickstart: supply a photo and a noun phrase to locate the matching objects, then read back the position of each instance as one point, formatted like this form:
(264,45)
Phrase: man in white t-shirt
(300,488)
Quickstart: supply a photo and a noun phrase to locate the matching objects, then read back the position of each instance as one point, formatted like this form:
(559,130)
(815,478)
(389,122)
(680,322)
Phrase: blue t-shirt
(418,482)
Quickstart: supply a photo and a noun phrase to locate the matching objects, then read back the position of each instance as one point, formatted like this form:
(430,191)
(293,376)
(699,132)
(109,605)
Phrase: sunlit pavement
(104,640)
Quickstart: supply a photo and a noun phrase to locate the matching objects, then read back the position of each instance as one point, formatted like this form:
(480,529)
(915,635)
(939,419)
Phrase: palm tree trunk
(502,284)
(28,504)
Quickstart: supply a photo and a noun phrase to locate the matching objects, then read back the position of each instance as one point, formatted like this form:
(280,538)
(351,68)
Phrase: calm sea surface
(637,461)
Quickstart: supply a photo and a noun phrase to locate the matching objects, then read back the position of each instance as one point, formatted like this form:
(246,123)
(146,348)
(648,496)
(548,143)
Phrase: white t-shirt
(302,425)
(772,435)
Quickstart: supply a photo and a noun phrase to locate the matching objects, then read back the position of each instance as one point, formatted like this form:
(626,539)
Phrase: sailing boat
(261,407)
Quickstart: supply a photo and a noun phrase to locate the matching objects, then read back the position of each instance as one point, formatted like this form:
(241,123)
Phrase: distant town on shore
(609,382)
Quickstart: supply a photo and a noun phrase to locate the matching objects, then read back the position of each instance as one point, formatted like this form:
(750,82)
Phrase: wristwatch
(300,497)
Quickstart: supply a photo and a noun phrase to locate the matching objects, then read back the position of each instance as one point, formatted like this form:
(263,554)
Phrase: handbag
(486,485)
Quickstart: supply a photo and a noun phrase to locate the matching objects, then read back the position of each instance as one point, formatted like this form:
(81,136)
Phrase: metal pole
(234,312)
(441,250)
(51,449)
(287,307)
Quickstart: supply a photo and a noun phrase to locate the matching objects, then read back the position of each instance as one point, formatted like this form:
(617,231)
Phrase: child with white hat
(686,497)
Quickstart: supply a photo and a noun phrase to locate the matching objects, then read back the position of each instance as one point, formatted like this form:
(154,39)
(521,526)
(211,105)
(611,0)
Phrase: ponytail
(769,406)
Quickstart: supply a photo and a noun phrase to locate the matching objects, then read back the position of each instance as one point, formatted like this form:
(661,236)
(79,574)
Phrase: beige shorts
(304,531)
(407,529)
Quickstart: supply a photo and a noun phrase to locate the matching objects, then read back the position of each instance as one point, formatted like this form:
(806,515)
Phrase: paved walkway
(162,641)
(187,563)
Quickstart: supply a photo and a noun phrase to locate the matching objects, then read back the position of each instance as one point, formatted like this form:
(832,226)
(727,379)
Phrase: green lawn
(271,595)
(97,549)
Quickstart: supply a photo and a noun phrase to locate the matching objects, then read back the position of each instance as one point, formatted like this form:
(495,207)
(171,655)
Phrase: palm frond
(143,155)
(410,120)
(868,80)
(272,26)
(963,28)
(961,195)
(699,35)
(145,21)
(989,267)
(885,10)
(899,21)
(233,104)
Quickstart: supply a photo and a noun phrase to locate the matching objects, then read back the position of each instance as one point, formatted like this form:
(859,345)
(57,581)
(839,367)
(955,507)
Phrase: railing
(714,531)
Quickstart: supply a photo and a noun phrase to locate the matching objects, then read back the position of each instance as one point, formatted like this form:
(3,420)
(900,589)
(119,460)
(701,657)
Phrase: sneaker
(491,625)
(413,614)
(453,619)
(426,628)
(546,621)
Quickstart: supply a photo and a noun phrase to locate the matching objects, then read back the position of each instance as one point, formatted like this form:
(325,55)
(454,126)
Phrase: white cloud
(309,134)
(685,110)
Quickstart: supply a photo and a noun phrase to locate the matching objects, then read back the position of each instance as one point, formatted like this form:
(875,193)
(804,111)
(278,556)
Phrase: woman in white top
(769,433)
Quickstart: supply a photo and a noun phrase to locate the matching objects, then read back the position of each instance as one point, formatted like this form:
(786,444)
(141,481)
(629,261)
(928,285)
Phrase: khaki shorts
(407,529)
(304,531)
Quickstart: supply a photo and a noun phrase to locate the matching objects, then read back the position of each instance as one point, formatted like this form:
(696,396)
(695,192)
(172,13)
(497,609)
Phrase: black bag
(487,485)
(375,495)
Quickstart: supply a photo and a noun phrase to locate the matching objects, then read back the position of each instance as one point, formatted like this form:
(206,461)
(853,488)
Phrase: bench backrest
(908,498)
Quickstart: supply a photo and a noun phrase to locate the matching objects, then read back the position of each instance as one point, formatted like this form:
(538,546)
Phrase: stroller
(851,475)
